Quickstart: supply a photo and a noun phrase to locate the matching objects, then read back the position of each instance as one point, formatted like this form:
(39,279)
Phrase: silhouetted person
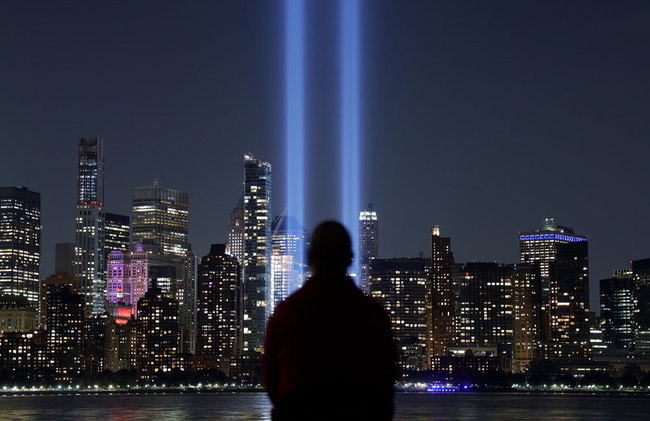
(329,352)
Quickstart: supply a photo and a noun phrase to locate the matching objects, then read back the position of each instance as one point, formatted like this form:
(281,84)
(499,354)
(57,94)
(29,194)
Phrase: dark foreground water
(255,406)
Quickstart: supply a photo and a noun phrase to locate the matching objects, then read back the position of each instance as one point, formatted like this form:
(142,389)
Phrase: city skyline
(533,130)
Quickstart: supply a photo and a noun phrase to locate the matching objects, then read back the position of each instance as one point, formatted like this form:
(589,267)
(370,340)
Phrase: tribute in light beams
(295,119)
(350,133)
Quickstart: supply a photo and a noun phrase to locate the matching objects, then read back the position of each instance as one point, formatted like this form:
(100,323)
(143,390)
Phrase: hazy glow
(350,124)
(295,110)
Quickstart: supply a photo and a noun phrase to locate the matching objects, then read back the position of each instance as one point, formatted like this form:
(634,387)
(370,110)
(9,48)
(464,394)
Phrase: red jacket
(328,353)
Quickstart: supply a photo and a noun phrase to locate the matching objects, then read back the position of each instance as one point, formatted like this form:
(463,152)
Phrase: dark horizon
(481,118)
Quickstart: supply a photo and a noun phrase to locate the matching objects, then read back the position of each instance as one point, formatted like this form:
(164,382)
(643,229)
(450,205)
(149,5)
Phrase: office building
(569,281)
(186,297)
(289,240)
(441,296)
(400,286)
(89,260)
(541,246)
(617,313)
(20,243)
(235,242)
(219,308)
(256,261)
(117,233)
(160,220)
(95,344)
(368,245)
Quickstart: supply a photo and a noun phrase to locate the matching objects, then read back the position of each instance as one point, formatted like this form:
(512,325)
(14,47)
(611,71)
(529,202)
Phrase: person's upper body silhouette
(329,352)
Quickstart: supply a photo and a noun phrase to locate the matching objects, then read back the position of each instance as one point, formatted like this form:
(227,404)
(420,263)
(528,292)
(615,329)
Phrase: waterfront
(255,406)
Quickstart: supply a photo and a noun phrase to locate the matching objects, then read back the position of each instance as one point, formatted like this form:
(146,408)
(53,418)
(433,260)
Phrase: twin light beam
(349,135)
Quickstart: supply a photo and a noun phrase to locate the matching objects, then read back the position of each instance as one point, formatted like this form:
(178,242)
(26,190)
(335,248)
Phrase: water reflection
(256,406)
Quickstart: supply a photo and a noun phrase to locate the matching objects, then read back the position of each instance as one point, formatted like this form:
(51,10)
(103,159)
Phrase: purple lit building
(127,275)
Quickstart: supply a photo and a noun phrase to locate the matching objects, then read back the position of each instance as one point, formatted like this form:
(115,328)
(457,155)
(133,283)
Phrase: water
(255,406)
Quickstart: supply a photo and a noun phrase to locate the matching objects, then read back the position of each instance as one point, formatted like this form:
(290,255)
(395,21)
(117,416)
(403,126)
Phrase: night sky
(482,117)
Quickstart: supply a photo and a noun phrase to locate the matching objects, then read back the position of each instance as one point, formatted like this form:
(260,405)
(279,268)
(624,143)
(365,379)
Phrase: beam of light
(349,120)
(294,73)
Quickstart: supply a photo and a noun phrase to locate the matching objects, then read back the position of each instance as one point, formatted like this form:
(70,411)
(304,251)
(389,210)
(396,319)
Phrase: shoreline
(243,390)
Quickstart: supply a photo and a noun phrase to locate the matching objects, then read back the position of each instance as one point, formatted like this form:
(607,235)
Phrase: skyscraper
(288,257)
(89,260)
(235,243)
(20,243)
(485,316)
(219,308)
(400,285)
(64,258)
(617,313)
(441,298)
(527,300)
(160,220)
(569,281)
(541,246)
(187,298)
(117,233)
(257,259)
(641,274)
(65,321)
(368,245)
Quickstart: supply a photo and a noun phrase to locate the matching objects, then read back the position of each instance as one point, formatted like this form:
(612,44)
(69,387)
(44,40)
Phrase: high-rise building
(400,285)
(485,307)
(95,344)
(527,301)
(219,308)
(235,243)
(187,298)
(89,260)
(569,281)
(64,258)
(256,261)
(289,240)
(127,276)
(441,296)
(368,245)
(641,276)
(617,313)
(20,243)
(160,220)
(157,333)
(65,322)
(117,233)
(59,278)
(541,246)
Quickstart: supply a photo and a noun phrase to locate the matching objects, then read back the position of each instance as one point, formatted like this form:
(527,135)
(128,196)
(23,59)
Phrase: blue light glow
(295,112)
(350,120)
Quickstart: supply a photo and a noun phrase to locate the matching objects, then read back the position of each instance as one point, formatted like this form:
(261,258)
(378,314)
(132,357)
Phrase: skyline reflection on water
(256,406)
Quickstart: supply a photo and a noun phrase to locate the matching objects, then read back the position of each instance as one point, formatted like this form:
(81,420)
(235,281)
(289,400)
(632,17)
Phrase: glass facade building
(288,258)
(617,313)
(20,243)
(89,260)
(257,259)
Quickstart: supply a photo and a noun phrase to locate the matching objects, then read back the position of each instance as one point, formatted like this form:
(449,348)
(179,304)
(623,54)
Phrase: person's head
(330,252)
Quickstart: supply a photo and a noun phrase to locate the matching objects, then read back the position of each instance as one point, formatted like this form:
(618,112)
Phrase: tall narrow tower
(257,258)
(441,298)
(368,245)
(89,258)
